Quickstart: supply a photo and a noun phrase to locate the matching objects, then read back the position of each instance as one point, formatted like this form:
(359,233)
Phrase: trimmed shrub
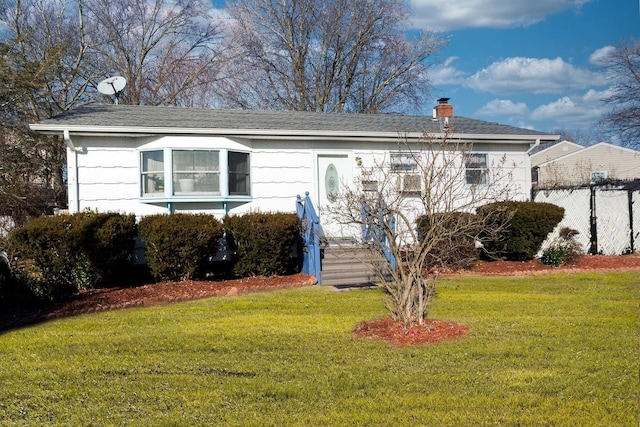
(265,242)
(107,244)
(178,246)
(453,236)
(528,227)
(65,253)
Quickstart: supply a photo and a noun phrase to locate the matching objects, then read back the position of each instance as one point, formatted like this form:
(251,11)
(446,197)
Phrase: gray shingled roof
(195,118)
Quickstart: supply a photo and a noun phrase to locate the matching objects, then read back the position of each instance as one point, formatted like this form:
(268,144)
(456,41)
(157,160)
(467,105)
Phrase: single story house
(569,164)
(149,159)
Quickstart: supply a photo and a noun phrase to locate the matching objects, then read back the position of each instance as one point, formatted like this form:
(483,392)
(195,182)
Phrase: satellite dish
(112,86)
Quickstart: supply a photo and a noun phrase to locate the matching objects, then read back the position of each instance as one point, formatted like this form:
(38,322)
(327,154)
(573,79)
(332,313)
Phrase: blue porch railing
(376,225)
(311,245)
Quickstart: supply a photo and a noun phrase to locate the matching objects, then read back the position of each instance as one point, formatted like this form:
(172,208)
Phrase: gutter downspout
(532,195)
(535,144)
(73,171)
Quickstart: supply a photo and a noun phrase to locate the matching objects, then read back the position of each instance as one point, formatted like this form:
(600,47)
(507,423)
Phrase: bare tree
(54,53)
(329,56)
(584,137)
(439,182)
(31,171)
(166,50)
(51,35)
(623,64)
(31,176)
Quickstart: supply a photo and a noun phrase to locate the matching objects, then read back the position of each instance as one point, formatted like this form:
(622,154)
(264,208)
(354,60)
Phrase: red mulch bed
(395,332)
(582,263)
(431,332)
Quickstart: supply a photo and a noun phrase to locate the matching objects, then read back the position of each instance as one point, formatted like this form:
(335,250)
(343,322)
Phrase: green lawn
(558,350)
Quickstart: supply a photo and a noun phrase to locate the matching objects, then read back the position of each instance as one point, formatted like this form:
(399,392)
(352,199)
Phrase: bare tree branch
(330,56)
(623,65)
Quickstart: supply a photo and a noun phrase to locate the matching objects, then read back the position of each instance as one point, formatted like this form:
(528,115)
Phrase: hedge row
(180,246)
(62,254)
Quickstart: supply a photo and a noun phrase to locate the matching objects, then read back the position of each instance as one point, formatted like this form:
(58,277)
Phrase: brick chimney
(443,109)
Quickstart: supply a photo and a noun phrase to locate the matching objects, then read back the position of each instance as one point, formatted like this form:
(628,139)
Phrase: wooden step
(350,266)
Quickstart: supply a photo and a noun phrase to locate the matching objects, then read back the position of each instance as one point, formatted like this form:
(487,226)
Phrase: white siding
(108,171)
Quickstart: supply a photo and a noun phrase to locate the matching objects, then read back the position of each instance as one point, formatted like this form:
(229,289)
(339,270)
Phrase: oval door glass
(331,182)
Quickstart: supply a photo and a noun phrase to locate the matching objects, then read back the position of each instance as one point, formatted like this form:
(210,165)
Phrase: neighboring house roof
(588,164)
(548,146)
(553,150)
(586,151)
(137,119)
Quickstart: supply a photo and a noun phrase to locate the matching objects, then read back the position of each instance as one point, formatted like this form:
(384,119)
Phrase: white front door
(334,172)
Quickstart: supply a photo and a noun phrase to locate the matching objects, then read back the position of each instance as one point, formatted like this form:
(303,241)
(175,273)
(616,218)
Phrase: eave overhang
(284,134)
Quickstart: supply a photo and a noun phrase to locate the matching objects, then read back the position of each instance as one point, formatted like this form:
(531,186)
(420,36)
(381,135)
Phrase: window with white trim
(194,174)
(408,181)
(152,173)
(476,170)
(239,183)
(598,177)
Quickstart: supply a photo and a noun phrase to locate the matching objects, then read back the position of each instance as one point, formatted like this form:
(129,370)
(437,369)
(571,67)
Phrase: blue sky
(527,63)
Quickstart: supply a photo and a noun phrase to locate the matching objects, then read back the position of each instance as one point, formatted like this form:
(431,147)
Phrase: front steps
(350,266)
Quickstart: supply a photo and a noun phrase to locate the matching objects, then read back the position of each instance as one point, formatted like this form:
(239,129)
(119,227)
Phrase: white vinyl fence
(608,219)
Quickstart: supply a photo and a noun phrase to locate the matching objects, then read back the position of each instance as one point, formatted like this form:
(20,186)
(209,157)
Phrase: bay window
(152,173)
(239,173)
(194,174)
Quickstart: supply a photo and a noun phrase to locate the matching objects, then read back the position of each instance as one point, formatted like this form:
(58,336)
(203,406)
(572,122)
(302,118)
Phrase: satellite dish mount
(112,86)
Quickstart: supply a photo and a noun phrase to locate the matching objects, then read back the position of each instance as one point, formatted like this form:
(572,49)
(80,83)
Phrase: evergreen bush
(554,256)
(65,253)
(526,230)
(565,249)
(266,242)
(178,246)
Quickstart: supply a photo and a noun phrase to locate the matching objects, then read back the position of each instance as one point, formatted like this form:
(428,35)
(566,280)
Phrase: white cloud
(571,112)
(456,14)
(531,75)
(503,107)
(599,57)
(446,73)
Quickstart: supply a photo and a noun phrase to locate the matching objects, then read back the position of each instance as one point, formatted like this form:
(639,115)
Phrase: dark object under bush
(265,242)
(179,246)
(527,229)
(5,275)
(72,252)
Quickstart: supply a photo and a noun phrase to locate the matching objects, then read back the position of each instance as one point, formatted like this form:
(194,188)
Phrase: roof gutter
(271,134)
